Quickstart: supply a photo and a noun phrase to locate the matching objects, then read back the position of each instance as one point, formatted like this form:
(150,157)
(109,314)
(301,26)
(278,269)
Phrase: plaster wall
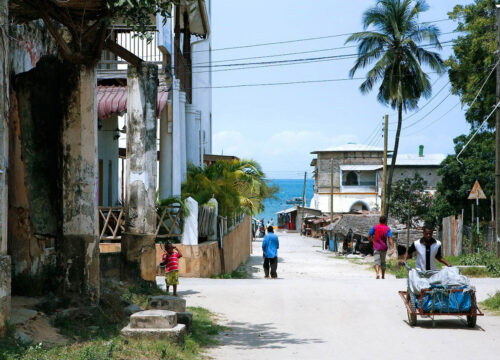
(108,154)
(429,173)
(344,202)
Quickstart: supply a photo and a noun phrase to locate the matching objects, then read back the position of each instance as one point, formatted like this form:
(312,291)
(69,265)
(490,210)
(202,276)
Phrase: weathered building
(357,175)
(59,113)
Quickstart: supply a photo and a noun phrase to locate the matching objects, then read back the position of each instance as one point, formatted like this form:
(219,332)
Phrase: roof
(112,100)
(416,160)
(351,147)
(287,211)
(360,167)
(359,224)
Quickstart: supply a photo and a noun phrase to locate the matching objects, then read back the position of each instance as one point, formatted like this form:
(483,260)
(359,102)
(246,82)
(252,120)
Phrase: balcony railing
(169,222)
(111,223)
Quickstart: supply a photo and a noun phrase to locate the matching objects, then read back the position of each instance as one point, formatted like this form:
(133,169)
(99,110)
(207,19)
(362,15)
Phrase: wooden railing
(169,221)
(111,223)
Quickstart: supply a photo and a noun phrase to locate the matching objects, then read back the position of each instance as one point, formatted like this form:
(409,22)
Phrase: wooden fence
(111,222)
(452,235)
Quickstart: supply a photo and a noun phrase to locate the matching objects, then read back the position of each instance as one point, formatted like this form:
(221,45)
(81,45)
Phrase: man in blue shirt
(270,247)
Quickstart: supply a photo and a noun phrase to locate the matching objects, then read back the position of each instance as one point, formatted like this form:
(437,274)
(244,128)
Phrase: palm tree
(394,44)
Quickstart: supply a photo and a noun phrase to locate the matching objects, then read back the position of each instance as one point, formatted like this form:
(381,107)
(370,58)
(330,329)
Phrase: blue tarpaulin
(440,299)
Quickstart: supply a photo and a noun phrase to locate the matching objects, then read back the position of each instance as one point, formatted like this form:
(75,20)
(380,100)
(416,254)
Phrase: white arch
(359,202)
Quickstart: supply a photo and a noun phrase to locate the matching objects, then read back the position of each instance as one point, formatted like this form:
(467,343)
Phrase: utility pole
(331,189)
(497,151)
(384,172)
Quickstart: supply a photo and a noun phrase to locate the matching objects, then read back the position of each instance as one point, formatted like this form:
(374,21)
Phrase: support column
(138,245)
(193,122)
(79,250)
(182,114)
(166,154)
(5,271)
(176,139)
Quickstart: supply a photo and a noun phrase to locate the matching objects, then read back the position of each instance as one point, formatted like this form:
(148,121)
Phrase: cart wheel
(412,317)
(471,321)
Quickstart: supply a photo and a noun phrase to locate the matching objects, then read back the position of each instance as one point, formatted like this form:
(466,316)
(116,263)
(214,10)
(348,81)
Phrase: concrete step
(186,318)
(153,319)
(165,302)
(176,334)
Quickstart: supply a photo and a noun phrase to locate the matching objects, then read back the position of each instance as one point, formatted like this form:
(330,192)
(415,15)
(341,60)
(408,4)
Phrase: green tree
(474,55)
(477,163)
(239,186)
(394,43)
(410,202)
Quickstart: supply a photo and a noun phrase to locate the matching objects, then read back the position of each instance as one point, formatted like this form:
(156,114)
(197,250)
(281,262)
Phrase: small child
(171,262)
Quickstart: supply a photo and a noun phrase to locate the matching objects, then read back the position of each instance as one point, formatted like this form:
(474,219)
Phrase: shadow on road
(450,324)
(262,336)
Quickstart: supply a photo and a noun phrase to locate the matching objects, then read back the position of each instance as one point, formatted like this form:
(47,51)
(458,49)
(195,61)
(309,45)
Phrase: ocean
(288,188)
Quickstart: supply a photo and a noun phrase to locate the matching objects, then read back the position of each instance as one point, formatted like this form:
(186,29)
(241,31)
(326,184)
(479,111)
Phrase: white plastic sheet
(190,232)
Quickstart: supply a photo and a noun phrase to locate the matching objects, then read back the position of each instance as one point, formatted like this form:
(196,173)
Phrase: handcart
(415,304)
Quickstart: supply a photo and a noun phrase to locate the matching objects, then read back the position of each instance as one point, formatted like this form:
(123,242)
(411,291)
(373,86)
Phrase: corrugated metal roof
(415,160)
(112,100)
(287,211)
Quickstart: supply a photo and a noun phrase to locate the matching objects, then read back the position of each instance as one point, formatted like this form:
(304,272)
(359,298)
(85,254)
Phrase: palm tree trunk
(393,161)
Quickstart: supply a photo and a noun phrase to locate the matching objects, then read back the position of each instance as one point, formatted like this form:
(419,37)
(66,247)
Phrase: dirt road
(326,308)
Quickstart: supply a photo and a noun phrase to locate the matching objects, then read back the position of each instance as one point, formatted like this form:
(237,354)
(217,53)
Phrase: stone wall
(342,158)
(204,260)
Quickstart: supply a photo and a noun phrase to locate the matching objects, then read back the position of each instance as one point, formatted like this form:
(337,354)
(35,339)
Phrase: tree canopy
(474,55)
(397,43)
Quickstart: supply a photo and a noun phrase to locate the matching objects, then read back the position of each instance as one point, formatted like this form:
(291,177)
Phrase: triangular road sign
(476,192)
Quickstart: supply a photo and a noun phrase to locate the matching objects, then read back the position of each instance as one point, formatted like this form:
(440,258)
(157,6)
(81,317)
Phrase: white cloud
(283,154)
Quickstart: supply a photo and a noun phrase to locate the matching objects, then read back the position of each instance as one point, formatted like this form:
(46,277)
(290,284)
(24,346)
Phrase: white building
(357,175)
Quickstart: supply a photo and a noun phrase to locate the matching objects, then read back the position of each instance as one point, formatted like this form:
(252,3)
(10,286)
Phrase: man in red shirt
(379,234)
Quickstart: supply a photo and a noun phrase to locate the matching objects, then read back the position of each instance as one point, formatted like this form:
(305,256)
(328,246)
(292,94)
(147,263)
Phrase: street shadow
(448,324)
(187,292)
(254,266)
(263,336)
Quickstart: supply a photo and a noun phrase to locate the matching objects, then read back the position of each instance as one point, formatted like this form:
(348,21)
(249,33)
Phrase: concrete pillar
(190,230)
(138,245)
(165,167)
(4,128)
(193,122)
(176,139)
(5,270)
(215,206)
(79,250)
(182,116)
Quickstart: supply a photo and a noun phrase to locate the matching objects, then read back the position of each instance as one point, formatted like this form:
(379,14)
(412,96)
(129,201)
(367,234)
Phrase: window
(352,179)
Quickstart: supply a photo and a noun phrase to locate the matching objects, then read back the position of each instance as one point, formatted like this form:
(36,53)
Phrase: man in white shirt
(428,251)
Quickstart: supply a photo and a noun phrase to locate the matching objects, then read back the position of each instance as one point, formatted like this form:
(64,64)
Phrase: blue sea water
(288,189)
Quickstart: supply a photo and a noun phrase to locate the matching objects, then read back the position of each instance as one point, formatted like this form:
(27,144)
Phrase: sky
(280,125)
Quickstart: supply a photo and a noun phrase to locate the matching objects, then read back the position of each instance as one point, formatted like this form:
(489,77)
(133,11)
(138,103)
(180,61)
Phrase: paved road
(326,308)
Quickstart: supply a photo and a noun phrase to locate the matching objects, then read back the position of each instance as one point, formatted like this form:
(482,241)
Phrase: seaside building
(357,176)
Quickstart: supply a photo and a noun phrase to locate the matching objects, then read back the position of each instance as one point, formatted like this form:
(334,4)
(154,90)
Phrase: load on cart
(443,292)
(431,292)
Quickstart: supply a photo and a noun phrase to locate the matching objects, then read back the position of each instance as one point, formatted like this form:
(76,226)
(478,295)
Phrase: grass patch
(138,294)
(106,343)
(492,303)
(239,273)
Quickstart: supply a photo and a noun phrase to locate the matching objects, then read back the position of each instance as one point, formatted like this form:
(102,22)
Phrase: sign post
(476,194)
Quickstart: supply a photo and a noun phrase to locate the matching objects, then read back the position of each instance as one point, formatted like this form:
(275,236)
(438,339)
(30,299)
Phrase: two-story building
(356,171)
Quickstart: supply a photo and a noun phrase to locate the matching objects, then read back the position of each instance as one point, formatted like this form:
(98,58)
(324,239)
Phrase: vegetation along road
(323,308)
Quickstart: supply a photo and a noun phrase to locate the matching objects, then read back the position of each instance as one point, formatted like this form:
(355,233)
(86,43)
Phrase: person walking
(379,234)
(270,247)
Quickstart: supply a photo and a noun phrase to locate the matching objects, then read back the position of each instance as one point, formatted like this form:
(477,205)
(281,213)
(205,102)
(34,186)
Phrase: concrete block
(132,309)
(176,334)
(153,319)
(165,302)
(185,318)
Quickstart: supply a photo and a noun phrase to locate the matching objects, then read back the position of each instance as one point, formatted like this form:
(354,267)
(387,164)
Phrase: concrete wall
(204,260)
(429,173)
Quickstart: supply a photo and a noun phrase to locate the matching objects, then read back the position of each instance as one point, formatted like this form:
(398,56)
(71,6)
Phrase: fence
(111,223)
(458,238)
(225,225)
(169,221)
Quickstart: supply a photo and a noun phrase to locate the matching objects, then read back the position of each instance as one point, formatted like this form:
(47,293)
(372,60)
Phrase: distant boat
(295,200)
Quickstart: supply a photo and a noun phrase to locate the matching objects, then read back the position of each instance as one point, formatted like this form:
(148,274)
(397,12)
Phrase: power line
(296,40)
(430,112)
(433,122)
